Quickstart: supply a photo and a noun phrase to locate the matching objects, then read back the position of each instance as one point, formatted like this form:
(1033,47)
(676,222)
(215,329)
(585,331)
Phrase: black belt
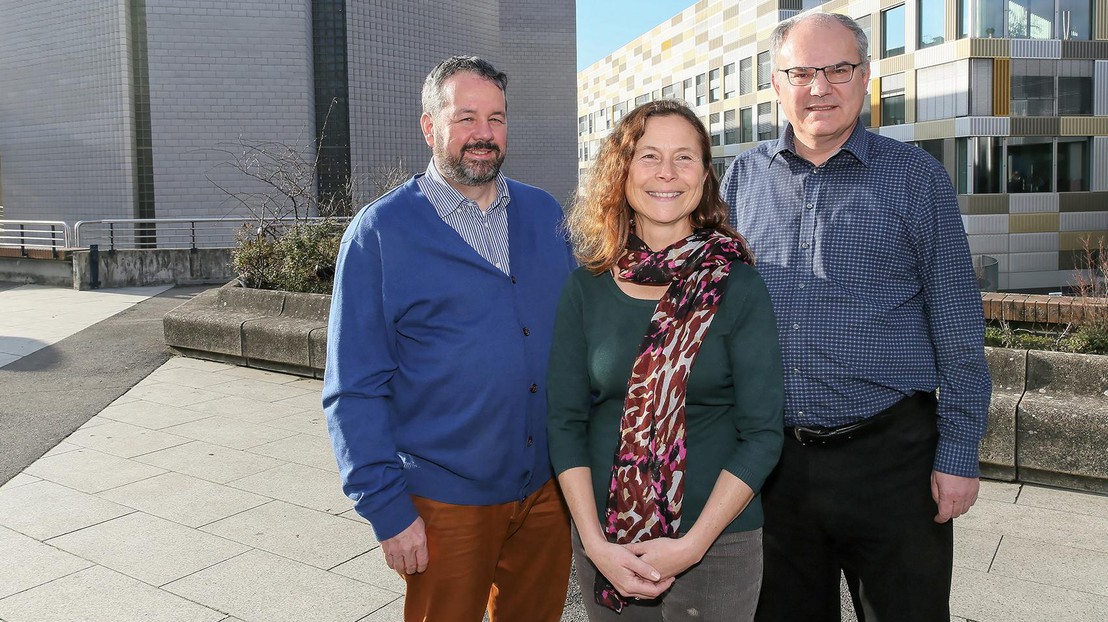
(835,436)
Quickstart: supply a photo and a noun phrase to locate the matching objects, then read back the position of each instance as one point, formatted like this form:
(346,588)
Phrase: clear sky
(604,26)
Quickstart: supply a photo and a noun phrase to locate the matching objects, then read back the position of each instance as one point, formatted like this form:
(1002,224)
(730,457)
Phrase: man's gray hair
(777,39)
(433,100)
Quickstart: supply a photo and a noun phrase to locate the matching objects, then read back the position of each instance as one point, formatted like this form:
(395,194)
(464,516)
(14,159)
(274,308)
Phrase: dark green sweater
(734,399)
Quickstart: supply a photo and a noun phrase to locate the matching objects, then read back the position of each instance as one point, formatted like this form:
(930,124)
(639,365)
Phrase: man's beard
(458,170)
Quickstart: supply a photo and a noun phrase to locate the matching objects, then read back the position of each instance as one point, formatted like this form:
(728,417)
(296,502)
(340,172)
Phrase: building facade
(1010,95)
(136,108)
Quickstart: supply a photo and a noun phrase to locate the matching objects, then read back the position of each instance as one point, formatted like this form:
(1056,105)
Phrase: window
(669,92)
(932,23)
(583,125)
(1030,19)
(864,23)
(1032,96)
(1073,164)
(701,89)
(714,129)
(746,79)
(642,99)
(1074,19)
(619,110)
(987,174)
(764,72)
(729,81)
(713,86)
(1075,95)
(766,127)
(689,94)
(730,128)
(746,125)
(892,32)
(892,99)
(1030,164)
(933,147)
(720,166)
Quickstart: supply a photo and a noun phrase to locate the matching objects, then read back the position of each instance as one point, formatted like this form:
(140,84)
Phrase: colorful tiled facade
(1010,95)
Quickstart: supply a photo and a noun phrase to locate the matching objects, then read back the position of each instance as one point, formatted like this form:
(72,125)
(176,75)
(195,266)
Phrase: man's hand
(953,494)
(406,552)
(632,577)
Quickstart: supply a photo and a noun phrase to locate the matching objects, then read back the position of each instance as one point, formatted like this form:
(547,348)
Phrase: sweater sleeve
(361,361)
(568,394)
(755,357)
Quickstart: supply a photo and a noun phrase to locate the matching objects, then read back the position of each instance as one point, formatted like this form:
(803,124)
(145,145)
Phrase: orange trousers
(512,558)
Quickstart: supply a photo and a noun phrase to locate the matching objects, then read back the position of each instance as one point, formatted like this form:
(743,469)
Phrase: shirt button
(796,326)
(800,413)
(809,205)
(526,332)
(804,245)
(800,285)
(796,370)
(534,388)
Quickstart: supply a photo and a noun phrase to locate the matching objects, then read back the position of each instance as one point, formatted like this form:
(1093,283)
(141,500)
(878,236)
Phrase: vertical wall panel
(1027,203)
(1002,86)
(1100,88)
(1100,163)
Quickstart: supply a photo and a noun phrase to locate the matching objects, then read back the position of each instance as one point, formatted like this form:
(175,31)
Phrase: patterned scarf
(647,484)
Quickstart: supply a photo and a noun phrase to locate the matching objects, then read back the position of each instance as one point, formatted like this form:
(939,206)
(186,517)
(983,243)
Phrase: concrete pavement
(207,492)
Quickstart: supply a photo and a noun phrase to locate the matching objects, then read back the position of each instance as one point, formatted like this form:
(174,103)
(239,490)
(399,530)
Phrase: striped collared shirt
(486,232)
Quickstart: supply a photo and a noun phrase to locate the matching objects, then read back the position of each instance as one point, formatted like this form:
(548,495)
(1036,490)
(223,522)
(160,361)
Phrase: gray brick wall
(65,129)
(221,72)
(393,45)
(240,70)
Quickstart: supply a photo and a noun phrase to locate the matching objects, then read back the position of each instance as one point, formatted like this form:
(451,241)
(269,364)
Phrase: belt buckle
(806,436)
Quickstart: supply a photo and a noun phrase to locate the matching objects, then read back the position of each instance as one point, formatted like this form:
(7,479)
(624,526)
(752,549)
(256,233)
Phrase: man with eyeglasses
(861,244)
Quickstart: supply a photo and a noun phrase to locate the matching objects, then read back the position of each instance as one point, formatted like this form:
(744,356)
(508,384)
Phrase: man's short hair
(781,32)
(433,100)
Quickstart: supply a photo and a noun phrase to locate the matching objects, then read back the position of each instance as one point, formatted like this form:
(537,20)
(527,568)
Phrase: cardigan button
(526,332)
(513,280)
(530,441)
(534,388)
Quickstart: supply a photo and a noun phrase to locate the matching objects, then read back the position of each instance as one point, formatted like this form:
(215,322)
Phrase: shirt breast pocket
(865,250)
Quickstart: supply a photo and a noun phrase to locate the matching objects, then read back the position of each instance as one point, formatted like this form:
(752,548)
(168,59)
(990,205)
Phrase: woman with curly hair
(665,384)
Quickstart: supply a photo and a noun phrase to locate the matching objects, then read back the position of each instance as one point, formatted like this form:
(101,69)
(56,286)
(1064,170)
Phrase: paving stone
(229,432)
(243,409)
(251,373)
(308,422)
(393,612)
(214,463)
(1022,521)
(148,548)
(998,491)
(28,562)
(124,440)
(262,587)
(171,394)
(64,447)
(259,390)
(44,509)
(309,450)
(989,597)
(150,415)
(307,536)
(301,485)
(99,594)
(974,549)
(195,378)
(1064,500)
(91,471)
(308,401)
(20,479)
(201,364)
(1075,569)
(183,499)
(370,567)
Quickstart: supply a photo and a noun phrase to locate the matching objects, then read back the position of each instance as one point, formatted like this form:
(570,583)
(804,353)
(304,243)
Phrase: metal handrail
(24,234)
(166,233)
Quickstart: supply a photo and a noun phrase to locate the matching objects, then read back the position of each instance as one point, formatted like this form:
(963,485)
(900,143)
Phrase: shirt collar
(448,200)
(856,144)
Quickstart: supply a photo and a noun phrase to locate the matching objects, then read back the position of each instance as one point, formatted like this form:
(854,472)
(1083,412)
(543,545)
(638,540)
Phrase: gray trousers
(724,586)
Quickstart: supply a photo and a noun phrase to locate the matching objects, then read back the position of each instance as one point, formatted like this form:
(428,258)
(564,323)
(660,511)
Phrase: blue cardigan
(435,383)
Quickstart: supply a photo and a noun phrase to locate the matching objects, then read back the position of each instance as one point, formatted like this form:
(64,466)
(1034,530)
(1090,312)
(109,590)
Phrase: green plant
(300,258)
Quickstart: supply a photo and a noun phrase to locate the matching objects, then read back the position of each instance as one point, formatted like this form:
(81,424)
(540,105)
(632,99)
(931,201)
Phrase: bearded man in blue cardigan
(437,345)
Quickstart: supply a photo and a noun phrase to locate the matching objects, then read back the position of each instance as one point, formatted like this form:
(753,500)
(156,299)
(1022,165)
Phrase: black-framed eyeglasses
(835,74)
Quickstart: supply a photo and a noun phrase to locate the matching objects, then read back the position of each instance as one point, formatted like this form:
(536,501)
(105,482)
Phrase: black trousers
(863,507)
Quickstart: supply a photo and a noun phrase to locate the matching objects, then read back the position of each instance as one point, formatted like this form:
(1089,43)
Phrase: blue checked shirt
(486,232)
(868,267)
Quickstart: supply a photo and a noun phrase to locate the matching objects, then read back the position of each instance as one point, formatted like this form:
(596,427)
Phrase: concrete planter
(1048,420)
